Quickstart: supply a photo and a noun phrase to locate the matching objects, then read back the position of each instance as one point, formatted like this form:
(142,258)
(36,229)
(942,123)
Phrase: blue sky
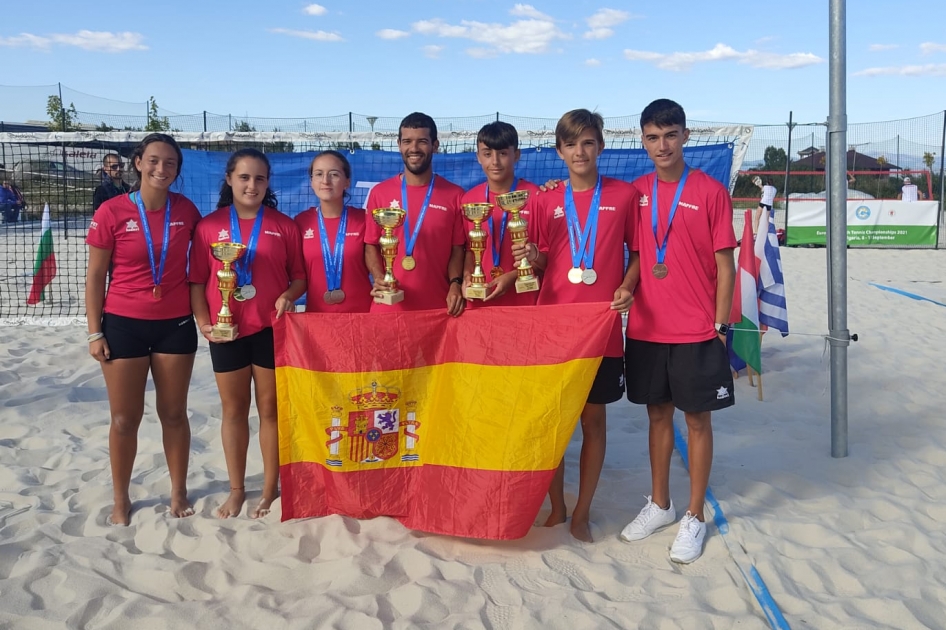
(724,61)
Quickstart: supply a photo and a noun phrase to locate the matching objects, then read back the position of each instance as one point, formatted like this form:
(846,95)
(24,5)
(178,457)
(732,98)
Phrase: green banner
(873,236)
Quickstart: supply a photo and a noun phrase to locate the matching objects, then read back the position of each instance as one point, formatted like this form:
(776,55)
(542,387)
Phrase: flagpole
(839,336)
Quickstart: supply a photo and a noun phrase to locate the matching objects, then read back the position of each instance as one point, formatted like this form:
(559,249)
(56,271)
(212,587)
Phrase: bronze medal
(156,292)
(328,297)
(660,271)
(338,296)
(408,263)
(496,272)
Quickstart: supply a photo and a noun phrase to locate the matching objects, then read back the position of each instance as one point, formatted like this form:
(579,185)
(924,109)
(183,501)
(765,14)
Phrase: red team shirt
(477,194)
(115,226)
(680,308)
(426,286)
(617,223)
(355,282)
(278,261)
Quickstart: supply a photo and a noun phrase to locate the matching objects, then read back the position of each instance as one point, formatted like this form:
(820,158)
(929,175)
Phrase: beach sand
(857,542)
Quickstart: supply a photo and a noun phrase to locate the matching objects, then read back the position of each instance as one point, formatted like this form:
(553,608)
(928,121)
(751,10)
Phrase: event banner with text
(870,223)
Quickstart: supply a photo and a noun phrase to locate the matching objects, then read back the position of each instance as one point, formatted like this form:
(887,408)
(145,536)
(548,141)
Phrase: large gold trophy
(477,213)
(227,253)
(513,203)
(389,219)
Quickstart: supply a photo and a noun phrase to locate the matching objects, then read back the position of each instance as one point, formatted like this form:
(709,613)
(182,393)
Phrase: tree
(929,159)
(775,159)
(156,122)
(103,127)
(61,119)
(244,126)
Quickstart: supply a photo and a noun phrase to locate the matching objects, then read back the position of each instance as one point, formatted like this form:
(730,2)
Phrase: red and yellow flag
(450,425)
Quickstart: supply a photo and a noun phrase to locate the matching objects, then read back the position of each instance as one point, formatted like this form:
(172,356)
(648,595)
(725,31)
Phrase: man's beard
(422,168)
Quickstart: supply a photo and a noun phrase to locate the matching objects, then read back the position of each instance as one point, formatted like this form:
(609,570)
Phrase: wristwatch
(458,280)
(722,329)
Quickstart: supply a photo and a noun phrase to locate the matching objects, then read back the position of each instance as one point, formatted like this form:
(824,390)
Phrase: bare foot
(581,530)
(555,518)
(262,508)
(121,513)
(233,504)
(180,506)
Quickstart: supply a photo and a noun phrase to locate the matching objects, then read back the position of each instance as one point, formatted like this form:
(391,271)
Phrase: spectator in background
(909,191)
(113,183)
(767,201)
(11,202)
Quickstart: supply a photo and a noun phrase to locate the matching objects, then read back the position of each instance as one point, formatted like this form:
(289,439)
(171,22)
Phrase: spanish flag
(450,425)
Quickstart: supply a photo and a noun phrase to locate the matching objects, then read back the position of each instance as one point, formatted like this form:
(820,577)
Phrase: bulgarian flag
(450,425)
(746,342)
(44,269)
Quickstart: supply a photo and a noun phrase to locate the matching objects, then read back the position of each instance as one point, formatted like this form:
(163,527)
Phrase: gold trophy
(227,253)
(477,213)
(513,202)
(389,219)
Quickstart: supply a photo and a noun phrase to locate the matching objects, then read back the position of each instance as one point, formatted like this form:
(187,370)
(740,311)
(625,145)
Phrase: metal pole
(65,212)
(942,184)
(788,169)
(839,335)
(205,121)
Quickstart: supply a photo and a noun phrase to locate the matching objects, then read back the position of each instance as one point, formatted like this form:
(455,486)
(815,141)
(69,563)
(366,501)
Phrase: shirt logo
(689,205)
(178,223)
(131,226)
(352,233)
(645,201)
(722,393)
(223,235)
(94,225)
(438,207)
(271,233)
(558,213)
(394,204)
(608,208)
(310,233)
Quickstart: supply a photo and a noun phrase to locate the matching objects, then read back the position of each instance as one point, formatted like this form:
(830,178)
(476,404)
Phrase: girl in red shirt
(144,322)
(270,277)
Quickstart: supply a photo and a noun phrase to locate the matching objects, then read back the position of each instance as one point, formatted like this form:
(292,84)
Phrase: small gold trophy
(227,253)
(513,202)
(477,213)
(389,219)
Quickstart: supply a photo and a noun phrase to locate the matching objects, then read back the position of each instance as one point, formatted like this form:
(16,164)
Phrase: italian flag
(44,269)
(746,342)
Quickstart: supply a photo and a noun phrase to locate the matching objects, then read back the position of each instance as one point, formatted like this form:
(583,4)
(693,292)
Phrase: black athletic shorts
(132,338)
(609,382)
(256,349)
(695,377)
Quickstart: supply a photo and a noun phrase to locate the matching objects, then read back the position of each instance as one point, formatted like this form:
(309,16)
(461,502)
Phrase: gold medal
(574,275)
(408,263)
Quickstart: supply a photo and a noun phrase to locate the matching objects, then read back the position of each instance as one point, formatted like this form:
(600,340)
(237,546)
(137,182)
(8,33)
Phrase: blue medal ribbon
(333,263)
(412,236)
(585,246)
(157,272)
(662,248)
(244,265)
(497,245)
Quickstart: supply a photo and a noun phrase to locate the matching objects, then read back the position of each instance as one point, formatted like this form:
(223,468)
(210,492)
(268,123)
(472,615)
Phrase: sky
(749,62)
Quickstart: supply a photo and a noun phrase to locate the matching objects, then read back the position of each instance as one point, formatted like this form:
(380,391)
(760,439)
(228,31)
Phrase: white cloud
(315,9)
(927,70)
(319,36)
(528,11)
(97,41)
(882,47)
(766,39)
(600,24)
(528,36)
(433,51)
(678,61)
(392,33)
(592,62)
(929,47)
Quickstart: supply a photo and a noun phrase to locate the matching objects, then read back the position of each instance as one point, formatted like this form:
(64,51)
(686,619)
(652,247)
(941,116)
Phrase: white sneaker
(650,519)
(688,545)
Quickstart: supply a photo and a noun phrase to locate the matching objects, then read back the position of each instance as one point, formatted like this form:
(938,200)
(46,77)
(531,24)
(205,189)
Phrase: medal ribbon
(412,236)
(157,272)
(662,248)
(244,265)
(586,238)
(502,226)
(333,263)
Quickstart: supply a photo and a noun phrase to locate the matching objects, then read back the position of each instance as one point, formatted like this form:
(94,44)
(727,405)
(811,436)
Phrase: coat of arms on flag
(375,427)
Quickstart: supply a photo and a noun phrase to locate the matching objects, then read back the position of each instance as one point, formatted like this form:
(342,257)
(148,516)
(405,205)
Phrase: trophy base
(389,299)
(527,284)
(474,292)
(224,332)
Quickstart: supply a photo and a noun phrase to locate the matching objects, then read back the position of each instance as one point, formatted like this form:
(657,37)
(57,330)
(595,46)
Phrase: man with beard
(429,261)
(113,183)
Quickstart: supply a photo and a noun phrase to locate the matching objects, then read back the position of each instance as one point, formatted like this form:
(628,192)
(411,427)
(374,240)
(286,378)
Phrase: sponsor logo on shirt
(223,235)
(394,204)
(433,205)
(352,233)
(131,226)
(558,213)
(94,225)
(177,223)
(689,205)
(722,393)
(271,233)
(645,201)
(608,208)
(310,233)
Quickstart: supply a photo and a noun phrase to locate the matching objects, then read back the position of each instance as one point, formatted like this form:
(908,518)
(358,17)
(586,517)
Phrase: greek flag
(773,311)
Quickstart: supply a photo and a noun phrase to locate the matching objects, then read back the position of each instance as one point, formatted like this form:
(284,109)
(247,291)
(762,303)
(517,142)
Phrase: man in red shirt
(581,230)
(683,273)
(497,151)
(429,261)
